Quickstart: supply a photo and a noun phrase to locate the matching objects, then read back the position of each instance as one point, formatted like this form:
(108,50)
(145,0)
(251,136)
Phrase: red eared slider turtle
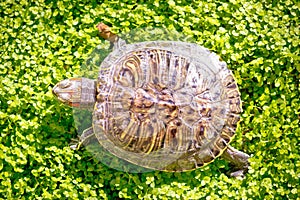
(164,105)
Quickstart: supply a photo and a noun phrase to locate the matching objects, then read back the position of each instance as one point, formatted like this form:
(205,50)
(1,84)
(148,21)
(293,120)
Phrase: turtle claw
(74,147)
(240,174)
(82,139)
(75,144)
(239,161)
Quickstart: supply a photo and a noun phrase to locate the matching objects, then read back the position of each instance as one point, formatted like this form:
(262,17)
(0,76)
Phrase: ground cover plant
(44,41)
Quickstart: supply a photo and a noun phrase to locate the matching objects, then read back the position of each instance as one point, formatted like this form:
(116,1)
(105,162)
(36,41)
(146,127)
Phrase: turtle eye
(64,84)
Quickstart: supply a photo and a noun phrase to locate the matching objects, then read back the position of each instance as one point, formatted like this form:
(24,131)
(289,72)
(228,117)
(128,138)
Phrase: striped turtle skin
(161,105)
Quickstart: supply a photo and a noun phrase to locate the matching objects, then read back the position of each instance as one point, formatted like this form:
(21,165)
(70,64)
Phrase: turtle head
(76,92)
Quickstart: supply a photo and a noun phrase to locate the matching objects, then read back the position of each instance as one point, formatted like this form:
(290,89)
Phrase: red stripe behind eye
(74,104)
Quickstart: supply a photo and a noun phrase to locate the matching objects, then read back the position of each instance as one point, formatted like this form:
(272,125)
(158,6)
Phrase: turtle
(172,106)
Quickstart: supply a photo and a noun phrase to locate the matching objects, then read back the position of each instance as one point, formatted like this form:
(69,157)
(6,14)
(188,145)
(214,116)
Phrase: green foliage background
(45,41)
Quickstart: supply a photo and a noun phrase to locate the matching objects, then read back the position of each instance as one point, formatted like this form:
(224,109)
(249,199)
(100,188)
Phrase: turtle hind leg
(85,138)
(238,159)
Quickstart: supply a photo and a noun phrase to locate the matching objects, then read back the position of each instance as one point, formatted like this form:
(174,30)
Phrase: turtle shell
(165,105)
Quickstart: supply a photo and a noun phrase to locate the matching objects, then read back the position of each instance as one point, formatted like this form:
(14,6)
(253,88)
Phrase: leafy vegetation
(45,41)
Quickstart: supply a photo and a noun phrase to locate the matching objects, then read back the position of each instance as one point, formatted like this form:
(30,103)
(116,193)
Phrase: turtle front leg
(84,138)
(105,33)
(238,159)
